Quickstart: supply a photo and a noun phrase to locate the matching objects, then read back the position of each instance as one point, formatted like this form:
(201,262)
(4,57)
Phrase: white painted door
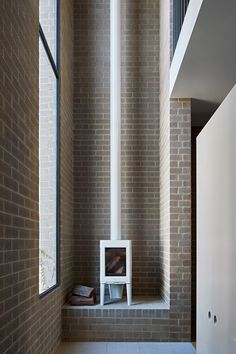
(216,231)
(205,244)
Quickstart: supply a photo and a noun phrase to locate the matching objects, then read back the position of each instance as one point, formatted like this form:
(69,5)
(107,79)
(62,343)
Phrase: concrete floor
(125,348)
(138,303)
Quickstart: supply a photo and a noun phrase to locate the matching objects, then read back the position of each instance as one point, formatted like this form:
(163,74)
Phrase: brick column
(180,219)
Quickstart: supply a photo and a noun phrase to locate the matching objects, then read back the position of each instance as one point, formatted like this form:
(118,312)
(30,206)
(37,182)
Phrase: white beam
(115,122)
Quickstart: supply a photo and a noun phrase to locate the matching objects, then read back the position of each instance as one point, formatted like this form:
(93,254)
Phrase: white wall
(216,231)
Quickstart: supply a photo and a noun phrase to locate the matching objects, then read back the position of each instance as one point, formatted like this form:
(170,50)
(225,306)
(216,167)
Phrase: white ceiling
(207,69)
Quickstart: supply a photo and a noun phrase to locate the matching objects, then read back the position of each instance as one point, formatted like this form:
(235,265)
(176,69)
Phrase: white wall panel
(216,231)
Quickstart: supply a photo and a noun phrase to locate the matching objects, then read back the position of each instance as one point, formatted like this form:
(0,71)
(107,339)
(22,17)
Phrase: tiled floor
(126,348)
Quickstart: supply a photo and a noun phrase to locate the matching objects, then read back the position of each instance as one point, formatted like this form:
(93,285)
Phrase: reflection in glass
(47,173)
(115,261)
(48,22)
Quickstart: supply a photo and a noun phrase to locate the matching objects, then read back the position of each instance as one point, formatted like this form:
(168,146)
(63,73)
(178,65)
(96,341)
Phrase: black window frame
(56,69)
(179,11)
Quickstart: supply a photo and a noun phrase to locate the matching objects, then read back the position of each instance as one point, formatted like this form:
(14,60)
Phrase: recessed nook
(153,197)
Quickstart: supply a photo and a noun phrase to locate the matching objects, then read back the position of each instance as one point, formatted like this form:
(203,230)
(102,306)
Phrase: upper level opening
(179,12)
(203,65)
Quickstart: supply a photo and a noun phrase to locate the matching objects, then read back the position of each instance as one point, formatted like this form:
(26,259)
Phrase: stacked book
(82,296)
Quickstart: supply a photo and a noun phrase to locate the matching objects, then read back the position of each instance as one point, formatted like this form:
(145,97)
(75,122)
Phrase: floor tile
(183,348)
(166,348)
(154,348)
(122,348)
(125,348)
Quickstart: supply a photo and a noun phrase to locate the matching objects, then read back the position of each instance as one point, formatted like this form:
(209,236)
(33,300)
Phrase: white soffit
(203,65)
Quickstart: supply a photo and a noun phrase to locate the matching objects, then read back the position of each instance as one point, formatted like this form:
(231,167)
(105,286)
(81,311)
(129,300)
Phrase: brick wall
(113,325)
(27,324)
(140,138)
(140,141)
(30,325)
(175,152)
(173,323)
(180,219)
(156,200)
(91,136)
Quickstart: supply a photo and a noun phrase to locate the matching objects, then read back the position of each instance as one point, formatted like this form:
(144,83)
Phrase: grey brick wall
(175,152)
(115,325)
(155,325)
(140,138)
(27,324)
(173,324)
(155,175)
(156,159)
(140,141)
(180,219)
(91,136)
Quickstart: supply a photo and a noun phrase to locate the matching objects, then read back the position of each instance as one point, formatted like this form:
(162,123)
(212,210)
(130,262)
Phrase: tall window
(48,145)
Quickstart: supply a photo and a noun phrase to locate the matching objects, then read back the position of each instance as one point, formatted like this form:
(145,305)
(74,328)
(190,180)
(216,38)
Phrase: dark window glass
(115,262)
